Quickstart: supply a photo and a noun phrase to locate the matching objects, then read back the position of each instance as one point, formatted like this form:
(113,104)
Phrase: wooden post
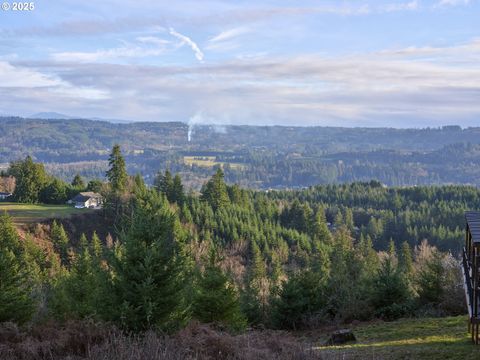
(476,335)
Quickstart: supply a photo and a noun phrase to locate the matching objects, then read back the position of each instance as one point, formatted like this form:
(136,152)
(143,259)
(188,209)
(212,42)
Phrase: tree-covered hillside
(255,157)
(236,257)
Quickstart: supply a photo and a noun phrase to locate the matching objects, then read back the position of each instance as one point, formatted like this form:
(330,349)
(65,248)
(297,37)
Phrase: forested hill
(258,157)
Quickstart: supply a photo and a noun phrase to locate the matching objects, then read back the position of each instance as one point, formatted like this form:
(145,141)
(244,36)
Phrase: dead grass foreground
(88,340)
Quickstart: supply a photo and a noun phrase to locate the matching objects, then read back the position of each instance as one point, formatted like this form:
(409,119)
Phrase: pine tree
(95,186)
(320,228)
(301,297)
(139,184)
(430,278)
(101,299)
(60,241)
(178,194)
(405,260)
(78,182)
(349,220)
(80,287)
(255,296)
(96,247)
(216,299)
(16,303)
(215,191)
(54,193)
(30,179)
(390,291)
(117,173)
(150,269)
(82,292)
(163,182)
(369,257)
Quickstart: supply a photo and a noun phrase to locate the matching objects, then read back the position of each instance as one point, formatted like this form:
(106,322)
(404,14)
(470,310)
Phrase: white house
(89,200)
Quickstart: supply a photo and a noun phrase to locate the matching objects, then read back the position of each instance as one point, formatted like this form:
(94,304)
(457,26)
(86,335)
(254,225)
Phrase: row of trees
(32,184)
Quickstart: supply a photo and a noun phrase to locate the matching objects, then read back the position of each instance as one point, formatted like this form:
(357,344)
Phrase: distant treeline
(270,157)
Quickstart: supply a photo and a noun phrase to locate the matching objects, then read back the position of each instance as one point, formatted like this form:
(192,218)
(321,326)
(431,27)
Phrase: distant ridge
(58,116)
(50,115)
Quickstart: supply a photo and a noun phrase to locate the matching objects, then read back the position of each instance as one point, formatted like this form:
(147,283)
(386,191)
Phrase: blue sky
(344,63)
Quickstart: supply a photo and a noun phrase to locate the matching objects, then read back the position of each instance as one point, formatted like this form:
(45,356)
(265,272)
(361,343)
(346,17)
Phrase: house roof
(85,196)
(473,222)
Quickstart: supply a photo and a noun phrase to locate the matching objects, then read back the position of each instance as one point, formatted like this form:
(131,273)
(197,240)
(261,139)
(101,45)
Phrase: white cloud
(434,83)
(153,40)
(12,77)
(229,34)
(126,51)
(370,88)
(443,3)
(15,77)
(227,40)
(186,40)
(394,7)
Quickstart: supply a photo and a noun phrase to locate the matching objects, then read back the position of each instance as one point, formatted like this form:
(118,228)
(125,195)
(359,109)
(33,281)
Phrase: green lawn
(28,213)
(429,338)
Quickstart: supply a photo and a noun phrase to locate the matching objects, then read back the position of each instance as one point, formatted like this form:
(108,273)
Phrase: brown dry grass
(87,340)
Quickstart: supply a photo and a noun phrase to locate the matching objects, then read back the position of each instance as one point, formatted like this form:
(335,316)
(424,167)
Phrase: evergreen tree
(117,173)
(60,241)
(369,257)
(236,195)
(320,227)
(405,260)
(390,291)
(30,180)
(95,186)
(82,292)
(151,267)
(96,248)
(16,303)
(300,299)
(171,187)
(255,296)
(78,182)
(177,193)
(54,193)
(298,217)
(216,299)
(430,279)
(215,191)
(139,184)
(80,286)
(349,220)
(341,283)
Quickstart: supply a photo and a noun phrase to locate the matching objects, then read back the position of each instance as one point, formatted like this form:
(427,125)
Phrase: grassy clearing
(28,213)
(209,161)
(429,338)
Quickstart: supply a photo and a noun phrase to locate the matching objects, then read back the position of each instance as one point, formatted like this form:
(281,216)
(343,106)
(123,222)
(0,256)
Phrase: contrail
(190,42)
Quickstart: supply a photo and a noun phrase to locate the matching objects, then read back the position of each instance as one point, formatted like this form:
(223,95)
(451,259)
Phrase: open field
(429,338)
(28,213)
(209,161)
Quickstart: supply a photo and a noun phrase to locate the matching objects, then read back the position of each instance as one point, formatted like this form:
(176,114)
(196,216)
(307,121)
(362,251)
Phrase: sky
(324,63)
